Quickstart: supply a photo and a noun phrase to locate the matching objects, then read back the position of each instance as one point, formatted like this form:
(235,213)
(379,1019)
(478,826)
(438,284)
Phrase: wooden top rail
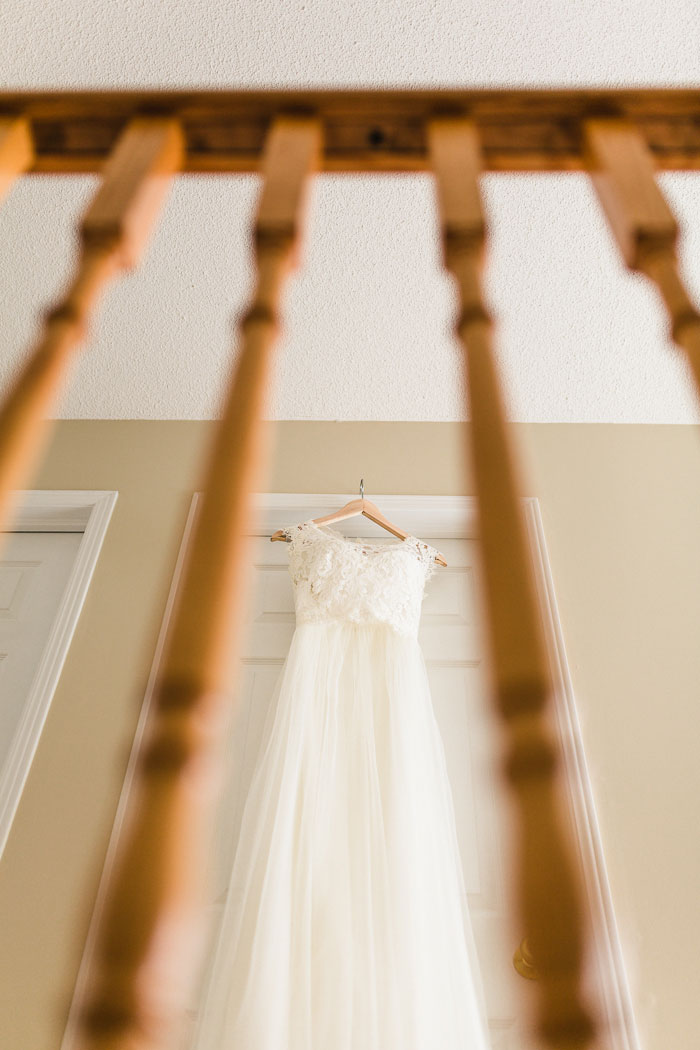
(519,130)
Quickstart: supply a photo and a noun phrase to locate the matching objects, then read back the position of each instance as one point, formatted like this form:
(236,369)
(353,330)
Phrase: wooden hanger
(351,510)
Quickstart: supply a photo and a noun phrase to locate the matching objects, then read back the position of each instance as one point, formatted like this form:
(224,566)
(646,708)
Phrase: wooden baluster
(548,888)
(113,236)
(622,170)
(149,938)
(16,150)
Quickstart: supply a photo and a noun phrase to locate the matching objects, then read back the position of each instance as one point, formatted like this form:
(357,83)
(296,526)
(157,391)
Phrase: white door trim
(425,515)
(52,511)
(436,516)
(70,1034)
(607,954)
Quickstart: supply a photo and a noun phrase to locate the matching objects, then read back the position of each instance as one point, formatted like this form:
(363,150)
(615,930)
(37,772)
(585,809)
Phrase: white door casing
(46,564)
(451,639)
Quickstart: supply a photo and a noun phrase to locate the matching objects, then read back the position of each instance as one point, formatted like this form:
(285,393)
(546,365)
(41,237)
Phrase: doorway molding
(65,510)
(435,517)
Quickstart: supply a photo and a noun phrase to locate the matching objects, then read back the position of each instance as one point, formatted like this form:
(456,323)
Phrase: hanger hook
(362,488)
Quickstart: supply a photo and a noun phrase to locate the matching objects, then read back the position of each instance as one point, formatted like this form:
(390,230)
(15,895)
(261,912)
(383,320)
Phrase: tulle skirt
(346,923)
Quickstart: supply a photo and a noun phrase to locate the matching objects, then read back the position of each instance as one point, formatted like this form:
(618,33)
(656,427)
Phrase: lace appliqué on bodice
(339,579)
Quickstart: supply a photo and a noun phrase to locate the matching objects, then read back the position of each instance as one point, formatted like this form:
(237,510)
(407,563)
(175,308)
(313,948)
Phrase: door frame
(435,517)
(66,510)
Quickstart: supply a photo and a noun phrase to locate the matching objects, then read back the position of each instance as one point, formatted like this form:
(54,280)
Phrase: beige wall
(621,509)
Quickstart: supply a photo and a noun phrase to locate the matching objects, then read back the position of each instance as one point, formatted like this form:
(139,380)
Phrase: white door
(451,642)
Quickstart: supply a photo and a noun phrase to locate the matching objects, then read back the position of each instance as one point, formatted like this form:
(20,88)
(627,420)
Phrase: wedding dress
(346,924)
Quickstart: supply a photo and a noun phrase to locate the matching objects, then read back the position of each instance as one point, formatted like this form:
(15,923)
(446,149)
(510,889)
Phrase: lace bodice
(339,579)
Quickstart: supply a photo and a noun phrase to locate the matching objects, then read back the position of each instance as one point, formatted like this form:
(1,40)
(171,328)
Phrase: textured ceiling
(368,315)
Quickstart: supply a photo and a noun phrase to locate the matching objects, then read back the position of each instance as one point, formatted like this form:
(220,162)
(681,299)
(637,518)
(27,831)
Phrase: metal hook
(362,488)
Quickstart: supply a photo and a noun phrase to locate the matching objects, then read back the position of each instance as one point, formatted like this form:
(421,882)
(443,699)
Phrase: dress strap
(426,555)
(293,531)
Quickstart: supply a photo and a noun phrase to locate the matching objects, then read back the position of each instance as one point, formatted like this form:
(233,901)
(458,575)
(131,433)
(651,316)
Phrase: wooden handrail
(548,890)
(379,130)
(149,938)
(112,237)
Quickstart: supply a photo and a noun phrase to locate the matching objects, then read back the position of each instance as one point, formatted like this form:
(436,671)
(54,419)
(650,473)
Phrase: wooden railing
(150,932)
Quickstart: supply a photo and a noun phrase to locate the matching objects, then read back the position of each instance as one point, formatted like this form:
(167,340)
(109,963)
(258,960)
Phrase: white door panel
(34,570)
(46,566)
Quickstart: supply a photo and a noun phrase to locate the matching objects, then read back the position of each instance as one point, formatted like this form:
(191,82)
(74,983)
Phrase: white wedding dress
(346,923)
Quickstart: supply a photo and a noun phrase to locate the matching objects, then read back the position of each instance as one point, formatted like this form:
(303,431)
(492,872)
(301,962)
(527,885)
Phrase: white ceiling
(368,316)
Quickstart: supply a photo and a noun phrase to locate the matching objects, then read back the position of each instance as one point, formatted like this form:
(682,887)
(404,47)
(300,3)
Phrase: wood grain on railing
(16,150)
(150,935)
(623,172)
(534,129)
(547,876)
(113,234)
